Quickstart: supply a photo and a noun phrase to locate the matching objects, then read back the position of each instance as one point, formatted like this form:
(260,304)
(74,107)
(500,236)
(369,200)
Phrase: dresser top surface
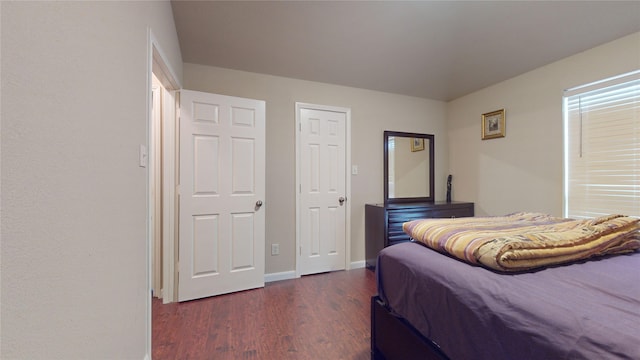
(435,204)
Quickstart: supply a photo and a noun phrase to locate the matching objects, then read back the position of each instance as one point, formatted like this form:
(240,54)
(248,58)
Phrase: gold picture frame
(417,144)
(493,124)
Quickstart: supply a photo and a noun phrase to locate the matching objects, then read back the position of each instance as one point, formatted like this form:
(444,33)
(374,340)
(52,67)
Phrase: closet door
(323,196)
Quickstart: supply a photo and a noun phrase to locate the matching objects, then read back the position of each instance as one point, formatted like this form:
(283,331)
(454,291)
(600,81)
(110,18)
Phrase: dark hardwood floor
(324,316)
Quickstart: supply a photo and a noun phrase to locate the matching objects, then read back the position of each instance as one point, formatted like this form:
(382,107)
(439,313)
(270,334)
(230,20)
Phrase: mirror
(408,167)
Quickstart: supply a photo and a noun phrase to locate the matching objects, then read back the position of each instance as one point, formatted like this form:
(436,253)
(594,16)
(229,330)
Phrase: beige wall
(524,170)
(74,208)
(371,112)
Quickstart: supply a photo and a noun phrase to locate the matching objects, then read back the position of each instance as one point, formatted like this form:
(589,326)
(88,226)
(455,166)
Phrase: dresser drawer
(452,213)
(398,217)
(383,223)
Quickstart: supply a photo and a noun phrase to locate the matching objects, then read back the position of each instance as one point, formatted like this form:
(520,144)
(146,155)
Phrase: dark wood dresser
(383,224)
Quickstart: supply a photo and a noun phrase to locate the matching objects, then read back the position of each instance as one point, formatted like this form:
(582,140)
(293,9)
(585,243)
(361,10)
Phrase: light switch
(354,170)
(143,156)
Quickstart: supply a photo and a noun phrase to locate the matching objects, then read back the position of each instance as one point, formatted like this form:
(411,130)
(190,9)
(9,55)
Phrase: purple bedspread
(587,310)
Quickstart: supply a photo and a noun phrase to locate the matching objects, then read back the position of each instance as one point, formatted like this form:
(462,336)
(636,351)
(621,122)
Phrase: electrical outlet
(354,170)
(275,249)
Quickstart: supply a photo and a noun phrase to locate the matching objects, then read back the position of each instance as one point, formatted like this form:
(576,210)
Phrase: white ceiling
(432,49)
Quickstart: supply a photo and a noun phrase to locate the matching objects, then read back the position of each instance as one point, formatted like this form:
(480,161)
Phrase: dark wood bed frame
(393,338)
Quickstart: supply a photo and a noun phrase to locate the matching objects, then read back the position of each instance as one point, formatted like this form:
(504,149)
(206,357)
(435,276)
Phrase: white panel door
(222,186)
(322,166)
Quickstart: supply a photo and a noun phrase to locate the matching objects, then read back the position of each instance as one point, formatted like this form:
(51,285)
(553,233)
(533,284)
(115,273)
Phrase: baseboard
(288,275)
(285,275)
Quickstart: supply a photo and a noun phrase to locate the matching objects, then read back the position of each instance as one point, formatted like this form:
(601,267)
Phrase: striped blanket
(524,241)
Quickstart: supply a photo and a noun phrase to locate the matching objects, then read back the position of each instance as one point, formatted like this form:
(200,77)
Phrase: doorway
(161,214)
(162,179)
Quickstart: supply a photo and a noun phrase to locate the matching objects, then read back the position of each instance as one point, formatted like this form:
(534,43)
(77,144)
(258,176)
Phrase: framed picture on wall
(493,124)
(417,144)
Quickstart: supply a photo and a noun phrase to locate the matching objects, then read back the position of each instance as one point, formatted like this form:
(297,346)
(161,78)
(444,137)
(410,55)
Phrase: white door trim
(154,192)
(169,196)
(347,111)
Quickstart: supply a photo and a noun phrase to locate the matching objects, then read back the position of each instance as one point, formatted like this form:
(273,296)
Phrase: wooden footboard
(394,338)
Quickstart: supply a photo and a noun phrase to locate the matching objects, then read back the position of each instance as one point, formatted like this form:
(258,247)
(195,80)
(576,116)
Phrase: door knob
(342,199)
(258,204)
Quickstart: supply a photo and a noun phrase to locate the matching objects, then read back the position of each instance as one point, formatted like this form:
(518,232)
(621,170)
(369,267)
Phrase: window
(602,148)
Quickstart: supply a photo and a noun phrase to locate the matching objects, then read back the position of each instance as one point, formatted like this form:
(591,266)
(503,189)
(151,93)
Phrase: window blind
(602,148)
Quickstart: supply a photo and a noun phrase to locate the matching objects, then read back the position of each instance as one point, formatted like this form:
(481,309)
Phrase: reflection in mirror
(408,167)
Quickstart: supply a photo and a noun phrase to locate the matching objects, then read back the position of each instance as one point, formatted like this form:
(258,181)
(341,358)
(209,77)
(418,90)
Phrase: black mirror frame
(431,147)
